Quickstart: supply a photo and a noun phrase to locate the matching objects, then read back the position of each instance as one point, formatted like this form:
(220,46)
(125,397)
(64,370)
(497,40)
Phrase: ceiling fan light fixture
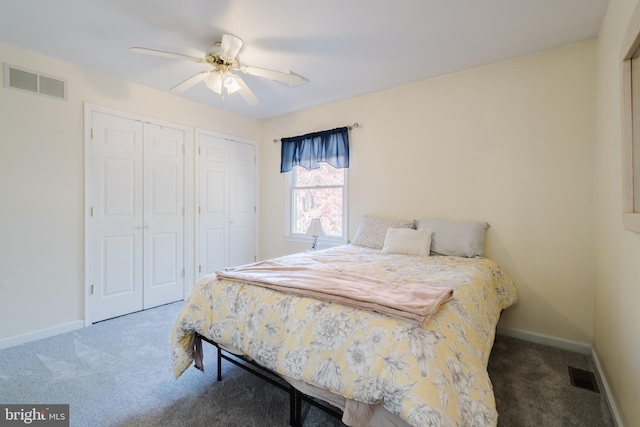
(214,82)
(230,83)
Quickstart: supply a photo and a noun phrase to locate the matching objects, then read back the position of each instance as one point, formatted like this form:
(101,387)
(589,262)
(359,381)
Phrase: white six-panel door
(213,212)
(135,226)
(226,208)
(242,204)
(115,228)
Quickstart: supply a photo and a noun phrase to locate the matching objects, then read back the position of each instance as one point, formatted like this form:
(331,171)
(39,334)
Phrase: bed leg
(295,408)
(298,407)
(219,363)
(292,407)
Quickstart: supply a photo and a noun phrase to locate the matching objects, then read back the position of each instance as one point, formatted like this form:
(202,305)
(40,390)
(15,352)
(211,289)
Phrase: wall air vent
(31,81)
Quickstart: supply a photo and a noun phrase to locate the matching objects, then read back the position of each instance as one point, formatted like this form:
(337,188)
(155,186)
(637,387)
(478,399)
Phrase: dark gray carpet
(532,387)
(118,373)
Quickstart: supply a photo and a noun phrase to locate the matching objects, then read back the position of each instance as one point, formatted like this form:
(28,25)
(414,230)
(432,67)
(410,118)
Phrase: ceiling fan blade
(162,53)
(290,79)
(230,46)
(246,93)
(181,87)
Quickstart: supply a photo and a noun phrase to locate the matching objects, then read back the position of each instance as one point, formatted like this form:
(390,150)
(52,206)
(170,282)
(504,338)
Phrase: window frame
(289,206)
(630,48)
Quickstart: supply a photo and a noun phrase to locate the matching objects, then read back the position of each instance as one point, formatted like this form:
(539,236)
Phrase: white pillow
(373,230)
(457,238)
(407,241)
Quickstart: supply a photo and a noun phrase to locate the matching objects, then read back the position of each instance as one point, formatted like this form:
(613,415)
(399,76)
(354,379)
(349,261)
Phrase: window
(631,123)
(317,193)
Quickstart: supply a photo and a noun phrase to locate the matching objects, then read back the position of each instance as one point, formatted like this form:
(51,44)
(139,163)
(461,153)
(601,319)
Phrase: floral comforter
(430,376)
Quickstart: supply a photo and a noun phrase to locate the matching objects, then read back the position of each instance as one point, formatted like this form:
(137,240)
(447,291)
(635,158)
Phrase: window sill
(325,242)
(631,221)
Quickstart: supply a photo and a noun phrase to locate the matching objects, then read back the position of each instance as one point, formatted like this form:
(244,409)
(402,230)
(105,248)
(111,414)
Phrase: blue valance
(330,146)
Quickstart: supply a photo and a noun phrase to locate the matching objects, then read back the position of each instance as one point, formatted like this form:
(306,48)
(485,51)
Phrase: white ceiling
(344,48)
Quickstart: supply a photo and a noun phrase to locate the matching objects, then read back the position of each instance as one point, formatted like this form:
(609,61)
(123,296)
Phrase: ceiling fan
(224,62)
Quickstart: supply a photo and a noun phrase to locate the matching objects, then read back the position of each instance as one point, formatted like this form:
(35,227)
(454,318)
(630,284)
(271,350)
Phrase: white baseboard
(563,344)
(604,385)
(42,333)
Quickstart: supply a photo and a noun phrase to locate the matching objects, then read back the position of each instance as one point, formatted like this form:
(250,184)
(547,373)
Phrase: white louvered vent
(31,81)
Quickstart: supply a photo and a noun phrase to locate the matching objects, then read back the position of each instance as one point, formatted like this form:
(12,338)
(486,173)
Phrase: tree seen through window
(318,193)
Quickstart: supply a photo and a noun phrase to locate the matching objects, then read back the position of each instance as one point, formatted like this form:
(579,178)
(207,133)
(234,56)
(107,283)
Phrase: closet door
(226,203)
(163,229)
(116,216)
(242,203)
(135,181)
(213,206)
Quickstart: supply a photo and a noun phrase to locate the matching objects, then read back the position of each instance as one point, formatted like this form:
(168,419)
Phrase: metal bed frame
(296,397)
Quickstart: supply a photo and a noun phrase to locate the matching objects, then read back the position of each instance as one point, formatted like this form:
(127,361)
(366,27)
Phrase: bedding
(456,238)
(407,241)
(410,301)
(424,375)
(373,230)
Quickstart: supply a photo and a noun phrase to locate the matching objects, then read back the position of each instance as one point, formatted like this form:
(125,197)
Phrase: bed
(379,369)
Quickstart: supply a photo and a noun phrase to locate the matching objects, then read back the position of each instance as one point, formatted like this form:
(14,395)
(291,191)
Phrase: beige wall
(514,143)
(617,273)
(41,184)
(511,143)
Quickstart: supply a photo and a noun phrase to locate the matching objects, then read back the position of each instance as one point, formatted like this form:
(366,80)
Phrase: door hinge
(183,210)
(199,269)
(91,211)
(183,150)
(91,133)
(199,151)
(255,209)
(91,289)
(183,272)
(199,210)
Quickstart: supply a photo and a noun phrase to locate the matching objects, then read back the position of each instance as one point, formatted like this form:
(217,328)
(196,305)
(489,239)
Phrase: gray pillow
(373,230)
(457,238)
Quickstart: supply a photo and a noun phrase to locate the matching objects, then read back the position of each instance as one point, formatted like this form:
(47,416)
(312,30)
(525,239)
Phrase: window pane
(324,175)
(325,204)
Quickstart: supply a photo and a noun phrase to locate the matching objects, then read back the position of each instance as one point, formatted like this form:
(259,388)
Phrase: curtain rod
(353,126)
